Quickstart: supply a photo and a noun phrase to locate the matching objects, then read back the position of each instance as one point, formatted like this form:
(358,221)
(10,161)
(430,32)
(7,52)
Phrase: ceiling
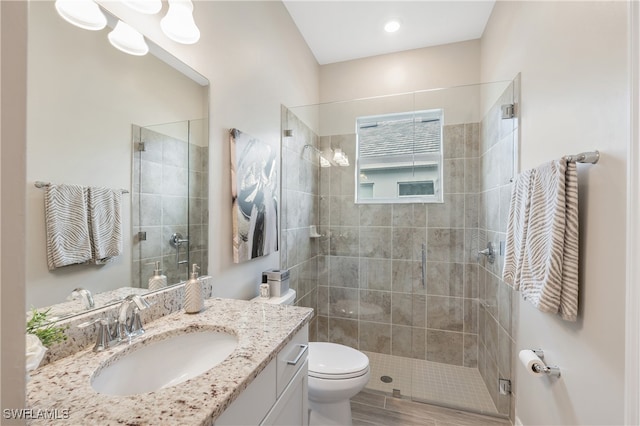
(337,30)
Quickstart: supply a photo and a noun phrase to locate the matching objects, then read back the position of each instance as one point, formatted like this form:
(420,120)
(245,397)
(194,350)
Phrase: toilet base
(330,413)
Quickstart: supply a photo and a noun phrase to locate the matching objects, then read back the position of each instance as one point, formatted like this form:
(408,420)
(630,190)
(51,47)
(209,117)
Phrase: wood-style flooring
(371,408)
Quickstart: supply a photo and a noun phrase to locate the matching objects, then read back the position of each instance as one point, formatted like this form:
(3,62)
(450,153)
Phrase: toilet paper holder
(553,371)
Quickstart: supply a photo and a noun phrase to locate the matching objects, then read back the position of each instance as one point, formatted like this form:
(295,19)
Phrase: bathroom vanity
(286,403)
(262,381)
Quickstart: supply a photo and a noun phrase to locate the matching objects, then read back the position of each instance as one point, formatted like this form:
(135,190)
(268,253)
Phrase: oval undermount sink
(164,363)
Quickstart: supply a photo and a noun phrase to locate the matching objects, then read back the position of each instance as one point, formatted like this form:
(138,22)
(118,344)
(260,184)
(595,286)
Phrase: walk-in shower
(394,268)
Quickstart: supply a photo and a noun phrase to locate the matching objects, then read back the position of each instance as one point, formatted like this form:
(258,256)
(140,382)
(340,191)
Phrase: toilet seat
(336,362)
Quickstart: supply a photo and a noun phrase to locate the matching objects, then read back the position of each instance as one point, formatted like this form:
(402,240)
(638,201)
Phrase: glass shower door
(170,192)
(468,308)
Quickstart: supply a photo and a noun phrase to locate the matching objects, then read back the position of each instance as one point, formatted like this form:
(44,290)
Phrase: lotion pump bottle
(193,295)
(157,281)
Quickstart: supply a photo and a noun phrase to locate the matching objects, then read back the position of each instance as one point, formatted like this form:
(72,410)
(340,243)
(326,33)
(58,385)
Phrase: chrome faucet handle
(105,337)
(130,326)
(489,253)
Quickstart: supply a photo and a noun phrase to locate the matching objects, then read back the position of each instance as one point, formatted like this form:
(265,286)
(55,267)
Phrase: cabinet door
(254,403)
(292,408)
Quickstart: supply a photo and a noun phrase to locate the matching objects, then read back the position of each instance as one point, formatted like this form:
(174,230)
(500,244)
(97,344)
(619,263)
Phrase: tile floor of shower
(432,382)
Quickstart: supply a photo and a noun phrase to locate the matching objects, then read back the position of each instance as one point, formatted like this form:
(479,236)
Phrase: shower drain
(386,379)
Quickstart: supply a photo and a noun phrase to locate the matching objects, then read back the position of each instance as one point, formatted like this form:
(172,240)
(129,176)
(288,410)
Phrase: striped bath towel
(66,222)
(542,238)
(105,224)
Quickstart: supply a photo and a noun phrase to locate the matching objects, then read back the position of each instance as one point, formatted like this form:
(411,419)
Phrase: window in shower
(399,157)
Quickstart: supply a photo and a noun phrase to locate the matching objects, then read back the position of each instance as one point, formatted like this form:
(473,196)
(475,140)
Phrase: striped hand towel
(544,261)
(105,224)
(65,209)
(517,228)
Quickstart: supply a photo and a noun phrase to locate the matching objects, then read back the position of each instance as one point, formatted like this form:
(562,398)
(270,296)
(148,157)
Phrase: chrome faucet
(129,323)
(107,336)
(84,295)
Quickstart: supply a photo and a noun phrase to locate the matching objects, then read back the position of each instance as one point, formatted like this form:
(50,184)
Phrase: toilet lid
(334,361)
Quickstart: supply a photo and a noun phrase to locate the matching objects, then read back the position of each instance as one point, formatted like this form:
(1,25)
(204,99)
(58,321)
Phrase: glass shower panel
(171,208)
(467,347)
(198,202)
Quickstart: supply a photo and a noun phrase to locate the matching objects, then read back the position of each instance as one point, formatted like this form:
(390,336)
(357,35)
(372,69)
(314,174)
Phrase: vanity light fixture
(326,158)
(340,158)
(85,14)
(125,38)
(148,7)
(392,26)
(178,24)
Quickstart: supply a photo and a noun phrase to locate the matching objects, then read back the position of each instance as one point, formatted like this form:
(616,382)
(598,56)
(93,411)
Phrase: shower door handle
(176,241)
(424,265)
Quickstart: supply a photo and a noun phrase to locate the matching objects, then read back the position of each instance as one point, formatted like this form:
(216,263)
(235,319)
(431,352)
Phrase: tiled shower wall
(370,293)
(497,318)
(169,195)
(299,207)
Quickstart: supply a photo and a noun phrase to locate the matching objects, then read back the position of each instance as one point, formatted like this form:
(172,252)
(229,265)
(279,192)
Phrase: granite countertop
(262,330)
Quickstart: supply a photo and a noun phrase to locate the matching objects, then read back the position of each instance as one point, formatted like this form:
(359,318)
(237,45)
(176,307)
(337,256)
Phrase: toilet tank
(287,299)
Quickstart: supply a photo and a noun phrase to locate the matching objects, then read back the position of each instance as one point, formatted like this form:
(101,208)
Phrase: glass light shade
(125,38)
(340,158)
(148,7)
(178,24)
(82,13)
(324,162)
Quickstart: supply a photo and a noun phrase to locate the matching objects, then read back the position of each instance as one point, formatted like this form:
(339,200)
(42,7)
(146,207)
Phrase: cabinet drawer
(291,358)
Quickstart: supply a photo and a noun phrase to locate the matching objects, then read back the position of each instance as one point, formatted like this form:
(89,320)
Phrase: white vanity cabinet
(278,395)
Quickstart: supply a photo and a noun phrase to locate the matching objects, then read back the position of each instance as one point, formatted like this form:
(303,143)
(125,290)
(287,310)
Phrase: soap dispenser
(193,295)
(158,280)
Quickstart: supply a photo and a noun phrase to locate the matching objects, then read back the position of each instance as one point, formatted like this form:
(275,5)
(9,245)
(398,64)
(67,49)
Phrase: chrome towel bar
(40,184)
(591,157)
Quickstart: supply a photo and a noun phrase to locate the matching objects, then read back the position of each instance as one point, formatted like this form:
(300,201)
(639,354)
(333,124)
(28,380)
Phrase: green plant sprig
(47,332)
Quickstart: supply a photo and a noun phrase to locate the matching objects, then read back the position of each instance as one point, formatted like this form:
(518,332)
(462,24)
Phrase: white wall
(83,97)
(573,60)
(255,60)
(12,202)
(428,68)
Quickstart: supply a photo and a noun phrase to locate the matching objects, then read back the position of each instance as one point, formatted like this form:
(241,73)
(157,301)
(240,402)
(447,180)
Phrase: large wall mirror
(99,117)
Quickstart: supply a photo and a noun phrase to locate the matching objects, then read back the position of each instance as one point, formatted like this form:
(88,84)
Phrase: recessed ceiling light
(392,26)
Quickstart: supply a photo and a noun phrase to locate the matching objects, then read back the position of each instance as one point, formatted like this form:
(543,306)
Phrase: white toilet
(336,374)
